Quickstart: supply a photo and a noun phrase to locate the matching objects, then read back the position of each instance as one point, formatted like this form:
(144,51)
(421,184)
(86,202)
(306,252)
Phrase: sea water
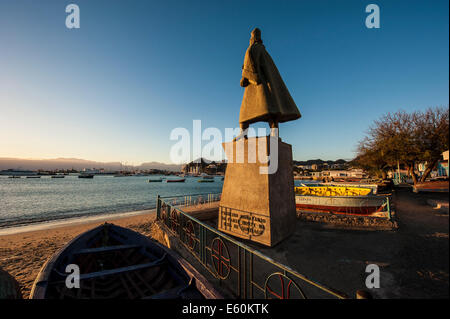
(29,200)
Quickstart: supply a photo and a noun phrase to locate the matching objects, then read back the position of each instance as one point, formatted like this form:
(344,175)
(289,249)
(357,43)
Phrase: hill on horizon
(78,164)
(319,162)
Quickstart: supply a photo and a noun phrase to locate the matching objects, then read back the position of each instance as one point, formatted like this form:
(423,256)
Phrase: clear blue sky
(115,88)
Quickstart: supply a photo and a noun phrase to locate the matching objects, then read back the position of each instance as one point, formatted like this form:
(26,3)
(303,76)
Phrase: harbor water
(30,200)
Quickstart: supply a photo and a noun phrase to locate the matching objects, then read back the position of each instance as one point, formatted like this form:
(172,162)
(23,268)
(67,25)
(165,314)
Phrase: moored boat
(57,176)
(332,191)
(156,180)
(440,186)
(179,180)
(205,181)
(339,200)
(116,262)
(372,186)
(17,172)
(354,205)
(86,175)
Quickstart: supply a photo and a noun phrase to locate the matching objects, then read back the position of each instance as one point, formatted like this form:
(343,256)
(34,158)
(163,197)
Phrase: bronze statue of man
(266,97)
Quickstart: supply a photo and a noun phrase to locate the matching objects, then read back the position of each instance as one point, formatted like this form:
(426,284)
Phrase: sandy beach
(24,250)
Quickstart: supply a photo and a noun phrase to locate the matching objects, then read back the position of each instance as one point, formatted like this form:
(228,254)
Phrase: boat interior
(332,191)
(116,263)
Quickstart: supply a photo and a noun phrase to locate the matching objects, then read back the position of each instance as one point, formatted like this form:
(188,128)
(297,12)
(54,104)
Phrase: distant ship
(206,179)
(86,175)
(180,180)
(16,172)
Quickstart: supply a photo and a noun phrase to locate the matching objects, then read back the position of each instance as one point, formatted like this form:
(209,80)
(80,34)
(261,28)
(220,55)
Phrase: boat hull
(85,176)
(206,181)
(116,262)
(433,186)
(175,180)
(357,205)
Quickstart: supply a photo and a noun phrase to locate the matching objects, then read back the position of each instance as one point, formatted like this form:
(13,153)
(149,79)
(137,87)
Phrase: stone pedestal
(254,206)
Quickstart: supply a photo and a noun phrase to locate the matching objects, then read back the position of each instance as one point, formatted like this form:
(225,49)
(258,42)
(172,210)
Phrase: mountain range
(320,162)
(78,164)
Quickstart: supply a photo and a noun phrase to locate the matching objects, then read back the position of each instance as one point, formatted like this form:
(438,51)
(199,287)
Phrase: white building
(355,173)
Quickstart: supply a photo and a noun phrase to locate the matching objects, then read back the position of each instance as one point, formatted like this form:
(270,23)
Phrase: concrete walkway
(413,260)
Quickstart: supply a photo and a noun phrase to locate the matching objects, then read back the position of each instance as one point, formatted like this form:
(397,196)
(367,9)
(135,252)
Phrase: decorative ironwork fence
(232,262)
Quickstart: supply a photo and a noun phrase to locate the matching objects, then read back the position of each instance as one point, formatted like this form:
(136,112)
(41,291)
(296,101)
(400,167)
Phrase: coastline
(55,223)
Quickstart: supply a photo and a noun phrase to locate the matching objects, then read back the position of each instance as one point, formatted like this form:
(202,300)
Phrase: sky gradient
(115,88)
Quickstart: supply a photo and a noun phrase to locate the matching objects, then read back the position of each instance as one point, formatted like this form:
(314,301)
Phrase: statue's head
(256,36)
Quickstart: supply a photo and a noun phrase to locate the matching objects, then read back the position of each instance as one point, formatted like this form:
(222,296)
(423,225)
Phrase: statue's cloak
(266,97)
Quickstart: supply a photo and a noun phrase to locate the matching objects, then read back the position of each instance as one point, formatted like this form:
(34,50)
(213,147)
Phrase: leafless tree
(406,138)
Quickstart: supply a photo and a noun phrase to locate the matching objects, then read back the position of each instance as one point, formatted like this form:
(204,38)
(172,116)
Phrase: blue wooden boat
(116,262)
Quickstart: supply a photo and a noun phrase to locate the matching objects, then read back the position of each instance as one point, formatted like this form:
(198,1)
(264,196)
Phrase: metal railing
(192,199)
(232,262)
